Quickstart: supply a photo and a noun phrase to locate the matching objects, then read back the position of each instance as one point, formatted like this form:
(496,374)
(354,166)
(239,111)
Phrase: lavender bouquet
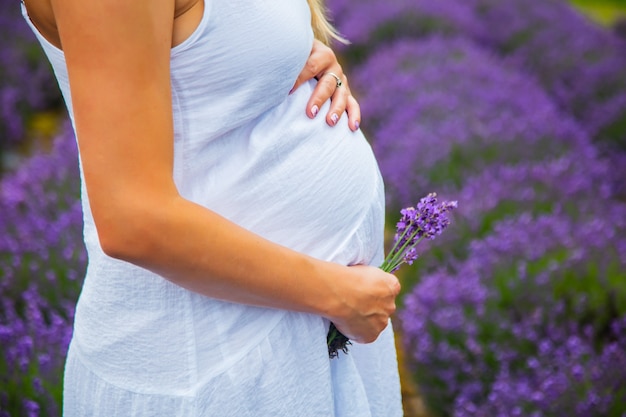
(426,221)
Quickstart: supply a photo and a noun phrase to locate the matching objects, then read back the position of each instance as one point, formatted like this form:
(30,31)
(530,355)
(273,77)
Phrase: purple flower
(581,65)
(516,318)
(426,221)
(443,109)
(31,408)
(42,259)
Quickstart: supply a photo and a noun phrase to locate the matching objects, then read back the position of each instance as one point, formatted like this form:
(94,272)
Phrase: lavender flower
(579,63)
(374,23)
(532,320)
(42,261)
(577,183)
(451,109)
(425,221)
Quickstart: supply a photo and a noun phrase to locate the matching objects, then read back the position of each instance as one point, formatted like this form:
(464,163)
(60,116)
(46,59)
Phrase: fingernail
(356,124)
(334,118)
(314,110)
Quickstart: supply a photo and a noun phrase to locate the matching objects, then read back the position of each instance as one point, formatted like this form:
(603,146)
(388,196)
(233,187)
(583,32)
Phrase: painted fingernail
(315,110)
(334,118)
(356,125)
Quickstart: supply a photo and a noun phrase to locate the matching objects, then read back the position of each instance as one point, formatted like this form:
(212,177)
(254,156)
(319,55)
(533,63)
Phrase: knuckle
(392,309)
(340,100)
(340,71)
(329,84)
(312,66)
(326,49)
(340,103)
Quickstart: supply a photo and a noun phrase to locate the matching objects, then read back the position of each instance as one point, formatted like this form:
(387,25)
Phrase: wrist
(331,279)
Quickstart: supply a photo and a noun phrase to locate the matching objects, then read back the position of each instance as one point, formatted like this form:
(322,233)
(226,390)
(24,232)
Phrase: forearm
(204,252)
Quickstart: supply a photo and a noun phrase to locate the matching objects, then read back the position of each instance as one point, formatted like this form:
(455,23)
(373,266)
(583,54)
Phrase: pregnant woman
(225,228)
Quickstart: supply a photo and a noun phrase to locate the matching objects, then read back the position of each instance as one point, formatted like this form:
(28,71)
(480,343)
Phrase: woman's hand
(322,64)
(368,300)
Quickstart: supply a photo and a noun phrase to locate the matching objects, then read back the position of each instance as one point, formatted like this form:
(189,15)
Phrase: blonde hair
(322,28)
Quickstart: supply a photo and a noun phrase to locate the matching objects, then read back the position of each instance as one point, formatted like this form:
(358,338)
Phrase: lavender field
(515,108)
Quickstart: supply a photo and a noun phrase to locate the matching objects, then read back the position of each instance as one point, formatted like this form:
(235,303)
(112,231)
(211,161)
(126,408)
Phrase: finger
(305,75)
(354,113)
(325,89)
(394,286)
(310,70)
(373,333)
(338,103)
(297,84)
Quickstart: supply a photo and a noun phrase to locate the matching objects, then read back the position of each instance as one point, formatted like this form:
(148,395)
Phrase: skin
(123,115)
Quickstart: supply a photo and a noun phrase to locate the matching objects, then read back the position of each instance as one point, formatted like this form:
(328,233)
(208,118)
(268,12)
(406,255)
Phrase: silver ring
(339,83)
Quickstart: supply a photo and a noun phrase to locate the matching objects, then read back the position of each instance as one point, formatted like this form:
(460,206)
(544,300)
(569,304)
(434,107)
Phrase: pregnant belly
(290,179)
(295,181)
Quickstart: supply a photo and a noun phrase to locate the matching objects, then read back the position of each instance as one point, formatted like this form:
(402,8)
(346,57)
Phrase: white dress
(244,148)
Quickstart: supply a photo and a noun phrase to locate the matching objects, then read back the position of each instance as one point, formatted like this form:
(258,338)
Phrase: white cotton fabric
(244,148)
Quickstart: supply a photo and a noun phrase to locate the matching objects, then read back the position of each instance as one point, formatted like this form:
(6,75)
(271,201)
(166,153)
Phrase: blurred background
(515,108)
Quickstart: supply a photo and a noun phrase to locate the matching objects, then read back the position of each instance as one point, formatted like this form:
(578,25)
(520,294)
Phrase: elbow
(115,246)
(136,226)
(125,235)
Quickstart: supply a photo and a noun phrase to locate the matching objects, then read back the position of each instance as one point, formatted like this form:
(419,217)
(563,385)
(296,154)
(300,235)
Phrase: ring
(339,83)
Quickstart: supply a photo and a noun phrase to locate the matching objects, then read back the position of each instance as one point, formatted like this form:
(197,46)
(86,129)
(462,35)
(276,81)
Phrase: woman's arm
(118,55)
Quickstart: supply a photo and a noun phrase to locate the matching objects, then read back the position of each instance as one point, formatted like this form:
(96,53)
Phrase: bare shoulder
(188,14)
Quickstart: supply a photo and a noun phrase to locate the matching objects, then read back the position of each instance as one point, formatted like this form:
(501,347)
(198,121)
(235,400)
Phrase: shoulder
(187,14)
